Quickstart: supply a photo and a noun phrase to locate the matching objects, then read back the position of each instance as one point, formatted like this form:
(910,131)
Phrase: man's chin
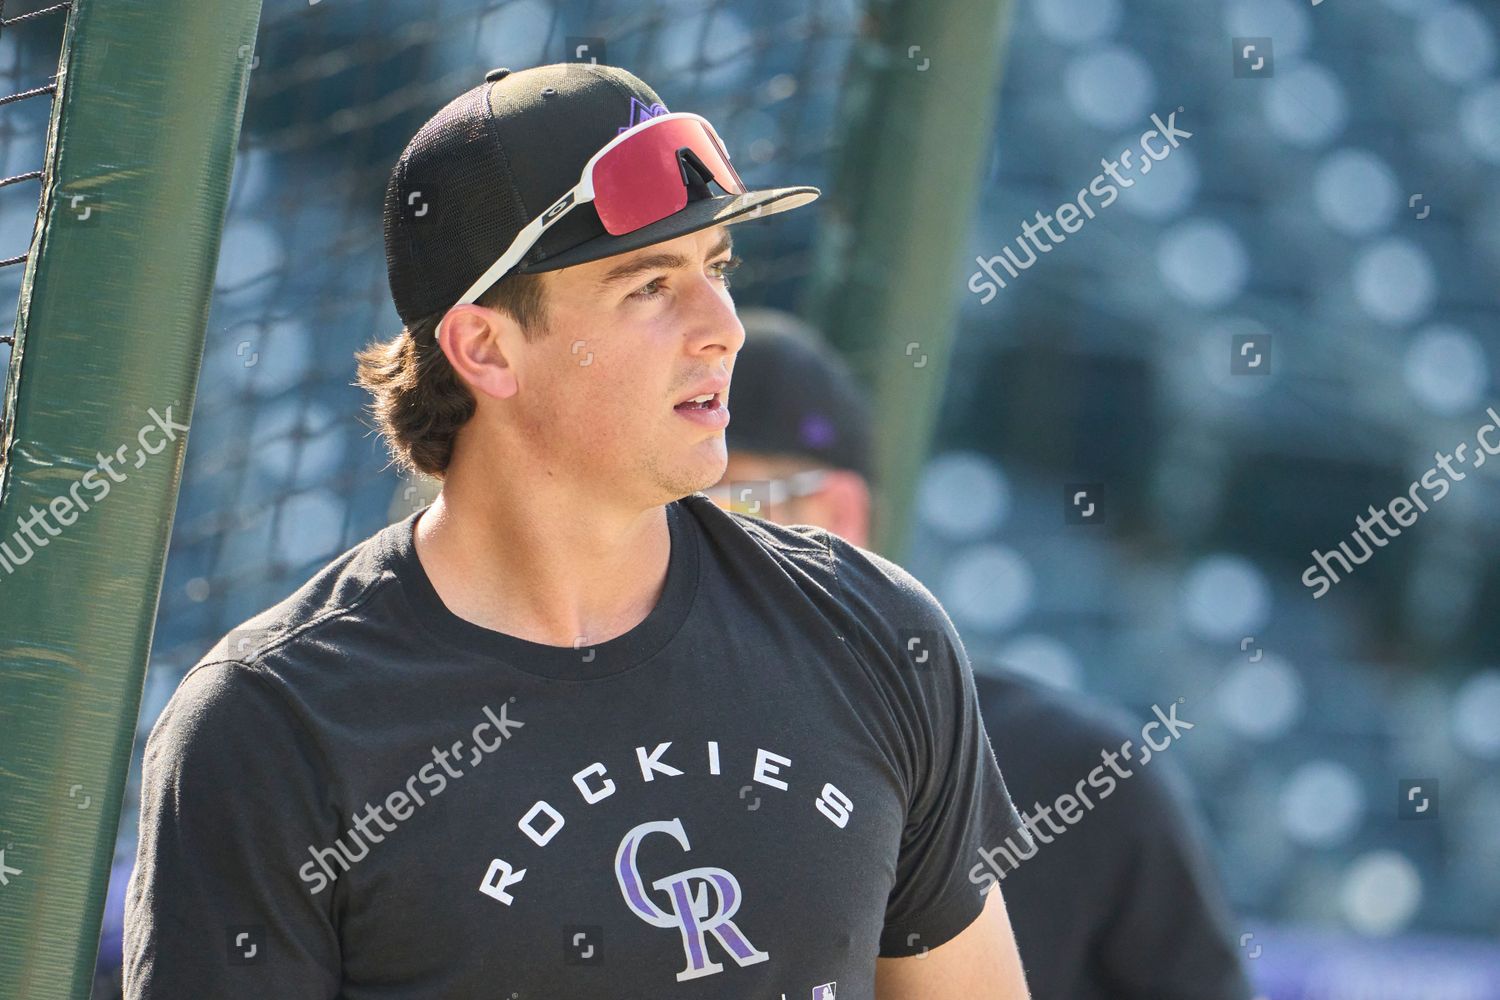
(700,475)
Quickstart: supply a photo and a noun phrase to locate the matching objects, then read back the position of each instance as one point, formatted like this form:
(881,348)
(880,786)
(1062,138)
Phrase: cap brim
(701,214)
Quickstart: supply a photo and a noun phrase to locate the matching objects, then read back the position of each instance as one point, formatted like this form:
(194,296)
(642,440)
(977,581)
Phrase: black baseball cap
(499,155)
(793,395)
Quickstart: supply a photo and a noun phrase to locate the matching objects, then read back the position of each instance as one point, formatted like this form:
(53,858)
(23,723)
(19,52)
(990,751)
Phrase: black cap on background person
(800,433)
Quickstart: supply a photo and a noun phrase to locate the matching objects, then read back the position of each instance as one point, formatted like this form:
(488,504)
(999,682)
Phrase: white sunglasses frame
(581,193)
(801,484)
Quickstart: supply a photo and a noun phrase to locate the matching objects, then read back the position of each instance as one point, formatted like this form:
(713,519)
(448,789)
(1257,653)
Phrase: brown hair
(419,401)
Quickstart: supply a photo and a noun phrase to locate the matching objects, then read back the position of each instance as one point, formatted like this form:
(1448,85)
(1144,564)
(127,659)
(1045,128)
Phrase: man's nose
(715,322)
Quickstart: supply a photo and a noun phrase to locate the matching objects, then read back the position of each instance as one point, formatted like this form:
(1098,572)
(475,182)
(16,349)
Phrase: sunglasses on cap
(637,178)
(741,496)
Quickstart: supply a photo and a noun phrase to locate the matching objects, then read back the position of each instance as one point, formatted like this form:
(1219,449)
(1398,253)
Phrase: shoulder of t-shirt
(872,585)
(800,549)
(251,674)
(347,582)
(232,724)
(221,706)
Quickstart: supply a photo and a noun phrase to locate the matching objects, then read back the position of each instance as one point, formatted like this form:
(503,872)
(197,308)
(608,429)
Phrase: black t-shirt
(777,776)
(1124,904)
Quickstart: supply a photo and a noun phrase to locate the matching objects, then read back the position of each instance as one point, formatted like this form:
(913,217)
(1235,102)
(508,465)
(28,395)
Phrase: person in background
(1124,903)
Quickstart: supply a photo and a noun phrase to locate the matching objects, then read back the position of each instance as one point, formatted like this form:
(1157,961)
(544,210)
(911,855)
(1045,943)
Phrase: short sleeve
(231,802)
(958,802)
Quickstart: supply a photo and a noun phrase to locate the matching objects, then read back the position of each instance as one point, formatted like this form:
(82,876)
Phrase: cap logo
(640,112)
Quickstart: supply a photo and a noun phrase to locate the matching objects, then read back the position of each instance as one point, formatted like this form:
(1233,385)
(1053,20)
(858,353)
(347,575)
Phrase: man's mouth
(705,402)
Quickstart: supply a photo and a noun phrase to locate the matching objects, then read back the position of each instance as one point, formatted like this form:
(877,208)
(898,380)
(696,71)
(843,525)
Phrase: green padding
(109,336)
(919,118)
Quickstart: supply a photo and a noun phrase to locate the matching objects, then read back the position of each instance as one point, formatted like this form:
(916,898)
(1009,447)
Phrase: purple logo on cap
(640,112)
(817,431)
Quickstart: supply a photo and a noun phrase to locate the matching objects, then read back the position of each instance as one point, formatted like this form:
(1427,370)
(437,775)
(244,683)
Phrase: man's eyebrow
(660,262)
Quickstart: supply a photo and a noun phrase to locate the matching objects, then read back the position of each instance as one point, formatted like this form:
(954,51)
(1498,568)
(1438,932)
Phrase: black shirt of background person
(1125,903)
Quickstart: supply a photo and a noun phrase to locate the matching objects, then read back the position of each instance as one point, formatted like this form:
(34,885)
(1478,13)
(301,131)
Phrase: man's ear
(846,499)
(482,345)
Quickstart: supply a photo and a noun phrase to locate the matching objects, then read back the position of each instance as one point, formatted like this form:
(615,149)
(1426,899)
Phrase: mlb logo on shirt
(824,992)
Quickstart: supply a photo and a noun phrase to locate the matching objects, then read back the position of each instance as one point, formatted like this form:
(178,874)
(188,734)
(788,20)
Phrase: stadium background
(1338,209)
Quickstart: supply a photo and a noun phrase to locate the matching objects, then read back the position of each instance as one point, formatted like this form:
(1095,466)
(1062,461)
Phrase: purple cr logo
(687,912)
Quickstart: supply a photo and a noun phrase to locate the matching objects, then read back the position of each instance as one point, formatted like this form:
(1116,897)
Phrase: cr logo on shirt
(688,913)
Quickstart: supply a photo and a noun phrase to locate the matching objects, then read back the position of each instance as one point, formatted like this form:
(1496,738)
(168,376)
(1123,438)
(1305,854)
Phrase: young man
(573,731)
(1121,905)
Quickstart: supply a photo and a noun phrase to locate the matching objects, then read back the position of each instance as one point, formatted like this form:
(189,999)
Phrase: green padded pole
(919,111)
(110,330)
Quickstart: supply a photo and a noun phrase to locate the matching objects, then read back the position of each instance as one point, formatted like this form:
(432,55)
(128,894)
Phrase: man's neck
(537,567)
